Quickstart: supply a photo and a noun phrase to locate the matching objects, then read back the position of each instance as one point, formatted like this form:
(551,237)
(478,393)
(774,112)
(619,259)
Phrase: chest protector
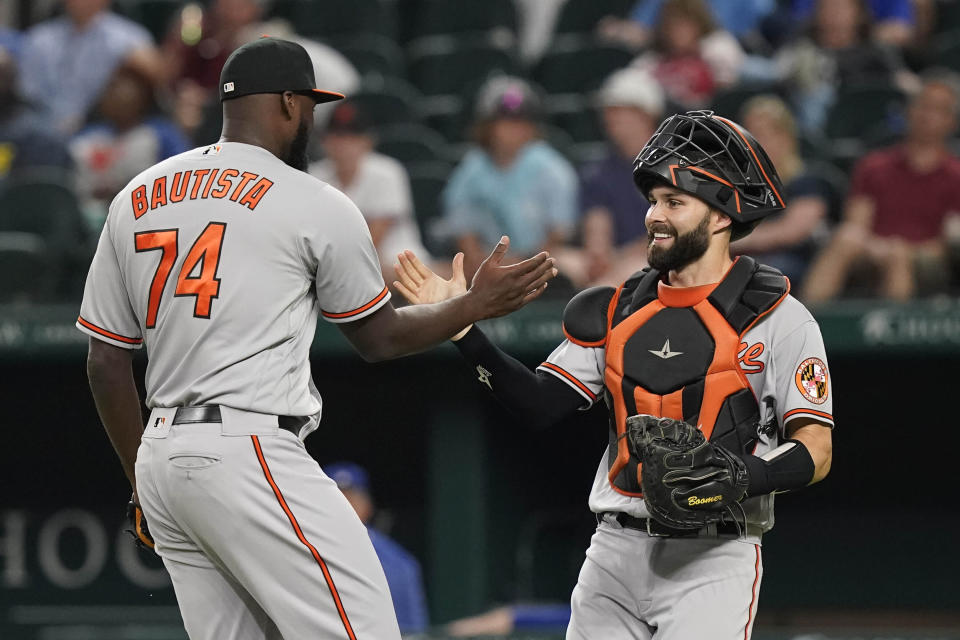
(678,358)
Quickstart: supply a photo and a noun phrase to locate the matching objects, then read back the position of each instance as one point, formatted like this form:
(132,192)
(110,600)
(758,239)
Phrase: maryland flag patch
(812,380)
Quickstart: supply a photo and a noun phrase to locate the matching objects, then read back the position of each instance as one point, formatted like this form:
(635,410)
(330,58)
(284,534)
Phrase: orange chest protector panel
(681,361)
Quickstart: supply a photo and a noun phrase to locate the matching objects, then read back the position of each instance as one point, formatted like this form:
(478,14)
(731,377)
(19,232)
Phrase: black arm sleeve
(538,398)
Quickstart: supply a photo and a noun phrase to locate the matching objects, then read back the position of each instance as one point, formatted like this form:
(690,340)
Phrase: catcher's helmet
(716,160)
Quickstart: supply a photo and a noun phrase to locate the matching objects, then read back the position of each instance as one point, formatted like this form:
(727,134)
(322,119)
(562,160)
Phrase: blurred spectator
(740,17)
(785,240)
(376,183)
(67,61)
(128,135)
(11,41)
(690,56)
(401,568)
(900,201)
(836,50)
(200,41)
(25,140)
(511,182)
(613,231)
(892,20)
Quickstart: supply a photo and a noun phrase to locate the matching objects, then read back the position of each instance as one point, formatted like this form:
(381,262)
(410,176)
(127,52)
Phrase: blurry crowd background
(470,119)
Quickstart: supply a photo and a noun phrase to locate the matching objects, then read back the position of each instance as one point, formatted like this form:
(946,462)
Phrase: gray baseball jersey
(785,363)
(225,254)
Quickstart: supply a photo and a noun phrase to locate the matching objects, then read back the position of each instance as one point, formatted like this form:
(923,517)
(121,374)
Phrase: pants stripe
(753,598)
(303,539)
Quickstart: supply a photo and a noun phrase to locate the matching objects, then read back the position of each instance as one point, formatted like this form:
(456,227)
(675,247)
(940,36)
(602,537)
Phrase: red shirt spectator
(907,204)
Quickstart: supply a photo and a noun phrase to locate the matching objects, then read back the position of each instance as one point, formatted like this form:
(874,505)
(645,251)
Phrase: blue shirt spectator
(739,17)
(400,567)
(25,139)
(881,10)
(608,183)
(67,61)
(11,41)
(535,195)
(405,580)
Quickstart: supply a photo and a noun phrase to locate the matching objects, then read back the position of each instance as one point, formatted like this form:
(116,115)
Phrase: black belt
(210,413)
(653,528)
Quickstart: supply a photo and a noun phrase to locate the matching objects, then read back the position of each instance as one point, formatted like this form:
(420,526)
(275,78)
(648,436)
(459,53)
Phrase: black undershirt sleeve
(537,398)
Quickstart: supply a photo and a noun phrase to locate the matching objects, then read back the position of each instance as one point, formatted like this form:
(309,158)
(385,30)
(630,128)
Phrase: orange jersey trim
(108,334)
(570,378)
(753,597)
(358,310)
(819,414)
(296,527)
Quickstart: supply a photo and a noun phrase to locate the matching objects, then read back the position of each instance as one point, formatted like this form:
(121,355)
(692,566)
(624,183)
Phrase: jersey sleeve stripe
(358,310)
(569,379)
(582,343)
(303,539)
(810,412)
(107,334)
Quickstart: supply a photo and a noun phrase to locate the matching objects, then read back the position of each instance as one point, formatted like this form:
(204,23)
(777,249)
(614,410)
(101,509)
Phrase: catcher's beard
(687,248)
(297,153)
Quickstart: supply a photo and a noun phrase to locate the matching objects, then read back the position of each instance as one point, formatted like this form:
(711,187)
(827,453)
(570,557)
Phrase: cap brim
(320,96)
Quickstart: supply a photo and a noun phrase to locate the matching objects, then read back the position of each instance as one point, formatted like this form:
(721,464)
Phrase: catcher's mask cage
(716,160)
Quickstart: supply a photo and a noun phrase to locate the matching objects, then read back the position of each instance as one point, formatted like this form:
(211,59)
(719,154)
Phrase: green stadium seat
(947,16)
(29,274)
(864,111)
(427,181)
(729,102)
(576,64)
(576,116)
(388,100)
(412,143)
(43,204)
(436,17)
(447,65)
(582,16)
(946,49)
(371,53)
(332,18)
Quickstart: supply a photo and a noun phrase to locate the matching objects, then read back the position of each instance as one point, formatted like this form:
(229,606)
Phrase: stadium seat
(412,143)
(946,49)
(576,64)
(436,17)
(729,102)
(427,181)
(388,100)
(575,115)
(30,276)
(582,16)
(446,65)
(371,53)
(42,204)
(865,110)
(156,15)
(331,18)
(947,16)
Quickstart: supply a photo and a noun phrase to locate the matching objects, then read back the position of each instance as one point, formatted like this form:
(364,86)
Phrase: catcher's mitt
(140,531)
(687,481)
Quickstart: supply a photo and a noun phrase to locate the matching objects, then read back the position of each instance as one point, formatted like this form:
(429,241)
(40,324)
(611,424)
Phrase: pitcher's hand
(501,289)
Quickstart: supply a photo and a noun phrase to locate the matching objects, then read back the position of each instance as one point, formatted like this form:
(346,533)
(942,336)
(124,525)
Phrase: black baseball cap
(271,65)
